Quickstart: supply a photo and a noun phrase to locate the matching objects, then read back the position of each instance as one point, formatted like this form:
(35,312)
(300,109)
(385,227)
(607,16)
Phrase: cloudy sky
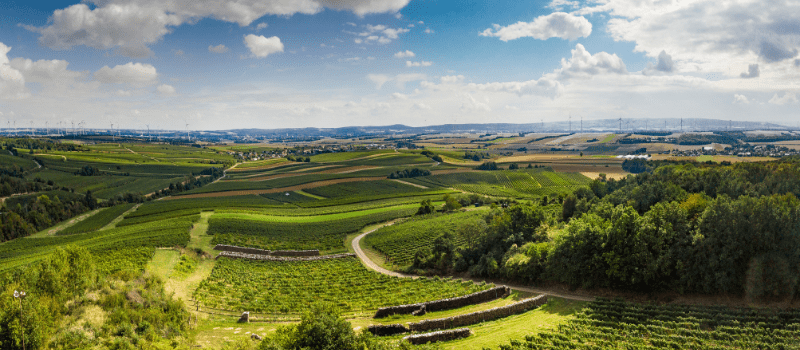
(221,64)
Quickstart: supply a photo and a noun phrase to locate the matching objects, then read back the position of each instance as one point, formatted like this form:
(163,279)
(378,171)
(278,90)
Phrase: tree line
(683,227)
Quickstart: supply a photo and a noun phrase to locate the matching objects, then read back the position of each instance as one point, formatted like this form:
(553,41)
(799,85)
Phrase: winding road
(372,265)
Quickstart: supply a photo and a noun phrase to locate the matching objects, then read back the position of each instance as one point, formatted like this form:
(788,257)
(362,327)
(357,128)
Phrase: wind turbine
(187,132)
(620,125)
(31,127)
(83,127)
(112,133)
(581,124)
(148,133)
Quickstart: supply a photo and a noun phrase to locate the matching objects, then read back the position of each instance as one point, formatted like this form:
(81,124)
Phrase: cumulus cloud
(752,72)
(544,86)
(732,32)
(262,47)
(664,65)
(262,25)
(134,73)
(740,99)
(218,49)
(378,33)
(470,104)
(797,63)
(12,83)
(787,98)
(378,79)
(46,71)
(555,25)
(419,64)
(404,54)
(421,106)
(131,25)
(429,31)
(165,89)
(583,64)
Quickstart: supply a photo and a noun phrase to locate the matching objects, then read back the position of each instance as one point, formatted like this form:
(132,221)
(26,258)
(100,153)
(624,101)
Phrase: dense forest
(684,227)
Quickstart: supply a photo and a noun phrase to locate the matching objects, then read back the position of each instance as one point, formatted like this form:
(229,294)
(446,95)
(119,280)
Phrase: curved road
(372,265)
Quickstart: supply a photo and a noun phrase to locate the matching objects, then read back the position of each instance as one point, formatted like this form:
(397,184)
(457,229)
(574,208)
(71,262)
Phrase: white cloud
(218,49)
(261,26)
(787,98)
(752,72)
(165,89)
(706,35)
(379,79)
(421,106)
(12,82)
(134,73)
(450,79)
(358,41)
(399,96)
(398,15)
(555,25)
(47,71)
(404,54)
(178,52)
(740,99)
(379,33)
(584,64)
(131,25)
(544,86)
(470,104)
(428,31)
(262,47)
(664,65)
(419,64)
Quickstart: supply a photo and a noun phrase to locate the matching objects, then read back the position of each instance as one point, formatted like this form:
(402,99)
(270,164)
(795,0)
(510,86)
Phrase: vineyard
(97,221)
(614,324)
(508,183)
(357,189)
(164,233)
(270,287)
(295,232)
(401,241)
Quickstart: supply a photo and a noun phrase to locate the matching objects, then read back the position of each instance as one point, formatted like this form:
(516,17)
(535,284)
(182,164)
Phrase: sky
(227,64)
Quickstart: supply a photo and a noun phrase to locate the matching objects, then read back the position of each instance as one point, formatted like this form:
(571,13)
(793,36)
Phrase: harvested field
(410,184)
(267,166)
(615,176)
(277,190)
(350,169)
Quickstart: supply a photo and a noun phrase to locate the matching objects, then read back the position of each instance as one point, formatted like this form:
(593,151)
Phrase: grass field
(508,183)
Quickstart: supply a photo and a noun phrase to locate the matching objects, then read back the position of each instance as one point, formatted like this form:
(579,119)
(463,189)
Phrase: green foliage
(614,324)
(508,183)
(325,235)
(287,287)
(487,166)
(426,207)
(367,189)
(400,242)
(635,166)
(405,173)
(98,220)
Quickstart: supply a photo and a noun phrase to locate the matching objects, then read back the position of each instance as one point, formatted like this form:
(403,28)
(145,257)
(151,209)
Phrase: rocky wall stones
(389,329)
(479,316)
(446,304)
(433,337)
(237,255)
(246,250)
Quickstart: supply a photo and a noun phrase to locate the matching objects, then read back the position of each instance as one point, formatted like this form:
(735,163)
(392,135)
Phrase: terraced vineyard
(401,241)
(291,287)
(614,324)
(97,221)
(508,183)
(373,188)
(324,232)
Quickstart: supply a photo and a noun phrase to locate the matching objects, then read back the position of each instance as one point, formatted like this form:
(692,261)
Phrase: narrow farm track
(372,265)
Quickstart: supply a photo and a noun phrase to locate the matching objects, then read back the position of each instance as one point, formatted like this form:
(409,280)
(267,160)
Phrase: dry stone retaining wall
(446,304)
(479,316)
(237,255)
(438,336)
(389,329)
(246,250)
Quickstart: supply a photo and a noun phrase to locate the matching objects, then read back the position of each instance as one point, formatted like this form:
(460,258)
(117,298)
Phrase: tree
(513,166)
(426,207)
(450,203)
(471,231)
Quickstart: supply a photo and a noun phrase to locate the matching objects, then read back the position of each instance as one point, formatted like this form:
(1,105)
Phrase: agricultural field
(323,232)
(399,242)
(508,183)
(268,287)
(615,324)
(98,220)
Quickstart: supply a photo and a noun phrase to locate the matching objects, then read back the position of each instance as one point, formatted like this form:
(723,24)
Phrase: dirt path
(410,184)
(116,220)
(372,265)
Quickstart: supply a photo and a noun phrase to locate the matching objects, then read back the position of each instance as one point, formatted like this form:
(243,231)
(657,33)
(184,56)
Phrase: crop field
(614,324)
(508,183)
(374,188)
(399,242)
(7,159)
(345,156)
(323,232)
(270,287)
(97,221)
(163,233)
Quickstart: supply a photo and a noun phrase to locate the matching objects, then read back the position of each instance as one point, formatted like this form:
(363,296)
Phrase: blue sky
(223,64)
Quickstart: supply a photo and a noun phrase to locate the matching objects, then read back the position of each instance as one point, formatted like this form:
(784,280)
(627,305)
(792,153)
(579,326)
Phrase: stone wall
(237,255)
(479,316)
(246,250)
(389,329)
(438,336)
(446,304)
